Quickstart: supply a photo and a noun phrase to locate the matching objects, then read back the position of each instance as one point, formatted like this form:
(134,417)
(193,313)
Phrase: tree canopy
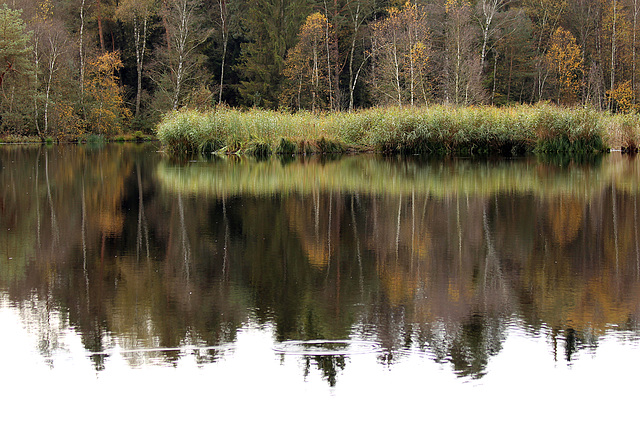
(308,54)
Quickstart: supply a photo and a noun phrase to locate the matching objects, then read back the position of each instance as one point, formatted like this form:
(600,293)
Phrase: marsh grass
(623,132)
(436,129)
(18,139)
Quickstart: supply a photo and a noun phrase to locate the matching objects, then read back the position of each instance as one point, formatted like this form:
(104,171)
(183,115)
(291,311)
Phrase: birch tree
(224,30)
(462,69)
(51,45)
(488,18)
(138,13)
(306,66)
(401,51)
(181,58)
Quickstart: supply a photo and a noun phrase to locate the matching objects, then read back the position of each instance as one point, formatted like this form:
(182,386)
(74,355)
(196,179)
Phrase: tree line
(73,67)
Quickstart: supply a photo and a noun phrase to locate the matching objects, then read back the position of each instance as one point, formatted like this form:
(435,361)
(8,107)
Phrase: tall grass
(435,129)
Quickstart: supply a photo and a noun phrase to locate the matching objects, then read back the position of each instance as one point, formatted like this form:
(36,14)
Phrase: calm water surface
(358,290)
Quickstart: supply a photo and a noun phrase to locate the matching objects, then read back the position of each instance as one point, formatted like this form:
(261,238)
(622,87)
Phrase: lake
(307,290)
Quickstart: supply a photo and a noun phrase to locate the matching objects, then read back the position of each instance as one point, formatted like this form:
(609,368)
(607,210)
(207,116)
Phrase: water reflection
(152,262)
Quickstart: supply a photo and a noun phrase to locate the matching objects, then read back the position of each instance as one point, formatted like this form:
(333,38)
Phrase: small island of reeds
(436,129)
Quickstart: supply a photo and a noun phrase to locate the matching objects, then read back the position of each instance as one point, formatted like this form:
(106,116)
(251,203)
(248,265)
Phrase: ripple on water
(326,347)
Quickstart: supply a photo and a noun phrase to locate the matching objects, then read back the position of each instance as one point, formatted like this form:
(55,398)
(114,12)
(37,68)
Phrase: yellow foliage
(44,11)
(106,111)
(622,97)
(314,25)
(402,51)
(565,58)
(69,125)
(450,5)
(420,53)
(306,66)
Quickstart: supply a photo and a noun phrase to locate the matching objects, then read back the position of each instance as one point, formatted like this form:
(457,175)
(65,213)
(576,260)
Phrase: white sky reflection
(254,384)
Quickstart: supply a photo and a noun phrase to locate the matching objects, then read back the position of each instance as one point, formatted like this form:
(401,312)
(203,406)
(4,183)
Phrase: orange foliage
(565,58)
(106,112)
(69,125)
(622,97)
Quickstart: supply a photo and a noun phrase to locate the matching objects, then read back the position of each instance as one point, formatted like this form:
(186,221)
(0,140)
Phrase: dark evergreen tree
(272,27)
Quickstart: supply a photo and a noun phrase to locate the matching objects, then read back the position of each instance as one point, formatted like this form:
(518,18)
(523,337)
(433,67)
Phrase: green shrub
(95,139)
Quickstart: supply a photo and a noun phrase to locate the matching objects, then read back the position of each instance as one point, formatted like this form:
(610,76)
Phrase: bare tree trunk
(352,78)
(99,10)
(36,54)
(337,97)
(54,53)
(315,77)
(187,34)
(82,55)
(411,65)
(613,49)
(495,70)
(225,41)
(396,68)
(181,47)
(140,36)
(326,12)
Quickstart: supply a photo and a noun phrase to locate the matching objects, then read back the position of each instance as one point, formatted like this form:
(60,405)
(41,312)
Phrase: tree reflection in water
(437,258)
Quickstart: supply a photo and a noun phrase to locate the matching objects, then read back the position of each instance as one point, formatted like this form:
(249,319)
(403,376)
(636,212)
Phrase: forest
(70,68)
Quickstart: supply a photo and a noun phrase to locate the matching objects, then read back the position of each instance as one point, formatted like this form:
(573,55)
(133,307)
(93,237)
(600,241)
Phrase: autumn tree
(51,51)
(306,67)
(635,14)
(545,16)
(621,98)
(401,52)
(462,82)
(106,112)
(583,20)
(619,20)
(564,58)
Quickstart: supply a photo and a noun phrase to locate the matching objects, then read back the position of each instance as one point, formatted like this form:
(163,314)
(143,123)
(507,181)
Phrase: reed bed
(435,129)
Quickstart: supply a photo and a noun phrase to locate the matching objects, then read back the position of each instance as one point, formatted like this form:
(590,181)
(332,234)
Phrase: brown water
(359,290)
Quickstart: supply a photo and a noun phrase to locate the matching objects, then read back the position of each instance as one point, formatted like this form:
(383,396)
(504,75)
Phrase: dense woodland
(77,67)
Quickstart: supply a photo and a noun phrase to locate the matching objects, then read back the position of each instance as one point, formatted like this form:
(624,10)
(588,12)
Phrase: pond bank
(435,129)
